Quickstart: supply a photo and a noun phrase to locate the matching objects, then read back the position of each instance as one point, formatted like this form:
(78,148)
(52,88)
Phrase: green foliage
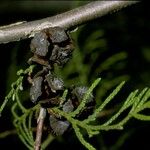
(20,122)
(135,103)
(94,57)
(23,125)
(15,88)
(23,120)
(114,49)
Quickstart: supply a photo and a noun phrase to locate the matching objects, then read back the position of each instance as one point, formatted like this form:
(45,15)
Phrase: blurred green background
(115,47)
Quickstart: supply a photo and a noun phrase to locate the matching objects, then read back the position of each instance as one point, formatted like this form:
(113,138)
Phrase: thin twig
(66,20)
(7,133)
(40,122)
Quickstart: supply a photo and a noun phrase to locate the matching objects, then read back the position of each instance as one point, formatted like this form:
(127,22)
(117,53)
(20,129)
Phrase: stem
(66,20)
(39,131)
(47,141)
(7,133)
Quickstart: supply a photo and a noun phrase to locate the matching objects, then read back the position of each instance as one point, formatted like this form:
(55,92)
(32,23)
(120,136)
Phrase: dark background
(127,30)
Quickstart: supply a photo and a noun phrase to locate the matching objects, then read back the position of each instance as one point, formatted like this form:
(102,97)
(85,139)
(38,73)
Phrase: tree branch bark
(67,20)
(39,131)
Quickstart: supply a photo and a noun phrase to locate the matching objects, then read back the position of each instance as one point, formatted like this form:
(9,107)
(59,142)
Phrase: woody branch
(67,20)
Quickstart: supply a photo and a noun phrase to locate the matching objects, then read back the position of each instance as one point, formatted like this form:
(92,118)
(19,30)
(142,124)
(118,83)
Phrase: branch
(39,131)
(67,20)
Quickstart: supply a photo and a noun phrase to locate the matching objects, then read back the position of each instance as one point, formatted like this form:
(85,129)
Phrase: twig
(7,133)
(66,20)
(39,131)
